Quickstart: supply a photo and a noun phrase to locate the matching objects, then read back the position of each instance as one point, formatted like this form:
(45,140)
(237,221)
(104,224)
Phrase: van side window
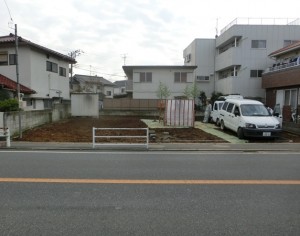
(215,106)
(229,107)
(224,107)
(236,111)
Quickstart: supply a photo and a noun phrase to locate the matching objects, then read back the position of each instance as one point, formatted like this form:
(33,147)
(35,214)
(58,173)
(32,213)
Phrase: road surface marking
(150,181)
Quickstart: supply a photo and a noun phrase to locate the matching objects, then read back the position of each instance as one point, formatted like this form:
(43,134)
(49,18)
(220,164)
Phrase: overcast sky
(147,32)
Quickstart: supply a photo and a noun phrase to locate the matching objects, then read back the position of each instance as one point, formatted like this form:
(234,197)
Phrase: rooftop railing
(262,21)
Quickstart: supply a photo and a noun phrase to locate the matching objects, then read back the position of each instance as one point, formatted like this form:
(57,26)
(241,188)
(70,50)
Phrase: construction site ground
(79,129)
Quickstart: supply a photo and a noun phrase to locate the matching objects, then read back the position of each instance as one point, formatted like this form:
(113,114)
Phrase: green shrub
(9,105)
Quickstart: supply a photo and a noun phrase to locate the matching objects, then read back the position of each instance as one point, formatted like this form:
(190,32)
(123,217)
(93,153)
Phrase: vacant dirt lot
(80,130)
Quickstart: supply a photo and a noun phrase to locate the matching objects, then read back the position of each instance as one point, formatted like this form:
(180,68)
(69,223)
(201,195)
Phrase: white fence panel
(180,113)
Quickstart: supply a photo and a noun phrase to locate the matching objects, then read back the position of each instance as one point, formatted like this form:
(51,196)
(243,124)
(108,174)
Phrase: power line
(98,72)
(8,11)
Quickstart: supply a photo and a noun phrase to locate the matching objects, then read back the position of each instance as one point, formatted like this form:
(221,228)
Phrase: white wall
(249,58)
(164,75)
(85,104)
(33,73)
(203,56)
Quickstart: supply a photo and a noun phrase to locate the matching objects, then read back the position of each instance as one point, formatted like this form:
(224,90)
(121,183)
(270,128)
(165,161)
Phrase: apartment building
(234,61)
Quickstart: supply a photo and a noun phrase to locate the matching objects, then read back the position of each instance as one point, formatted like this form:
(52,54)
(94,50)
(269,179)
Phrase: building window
(290,98)
(180,77)
(108,93)
(256,73)
(258,44)
(288,42)
(62,71)
(202,78)
(3,58)
(188,57)
(145,77)
(12,59)
(47,103)
(51,66)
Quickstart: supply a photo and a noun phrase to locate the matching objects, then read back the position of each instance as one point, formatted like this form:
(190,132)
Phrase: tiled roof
(11,39)
(288,48)
(91,79)
(12,85)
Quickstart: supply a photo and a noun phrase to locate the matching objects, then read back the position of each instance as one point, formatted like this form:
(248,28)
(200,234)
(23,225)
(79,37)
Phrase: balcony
(283,66)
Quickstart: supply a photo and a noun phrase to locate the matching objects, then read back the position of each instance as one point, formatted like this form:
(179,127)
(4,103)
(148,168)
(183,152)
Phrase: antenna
(124,56)
(8,11)
(217,26)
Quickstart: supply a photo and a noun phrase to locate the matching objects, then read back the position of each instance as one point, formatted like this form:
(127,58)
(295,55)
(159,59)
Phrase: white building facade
(41,69)
(234,61)
(146,80)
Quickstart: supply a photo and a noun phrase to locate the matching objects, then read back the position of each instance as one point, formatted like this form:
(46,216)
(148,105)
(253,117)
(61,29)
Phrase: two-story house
(282,81)
(42,70)
(233,62)
(92,84)
(145,80)
(120,89)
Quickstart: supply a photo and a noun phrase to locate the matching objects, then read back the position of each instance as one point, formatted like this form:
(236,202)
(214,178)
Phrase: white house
(146,80)
(120,89)
(233,62)
(41,69)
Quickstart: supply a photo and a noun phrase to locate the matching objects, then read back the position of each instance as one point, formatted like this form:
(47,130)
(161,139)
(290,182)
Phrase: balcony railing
(282,66)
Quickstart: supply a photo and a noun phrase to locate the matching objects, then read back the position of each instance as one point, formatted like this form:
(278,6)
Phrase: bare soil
(78,129)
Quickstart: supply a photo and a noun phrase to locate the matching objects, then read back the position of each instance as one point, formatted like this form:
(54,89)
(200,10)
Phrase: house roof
(120,83)
(91,79)
(10,39)
(291,47)
(12,85)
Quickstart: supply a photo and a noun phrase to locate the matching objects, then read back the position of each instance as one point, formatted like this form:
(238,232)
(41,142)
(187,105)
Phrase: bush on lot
(9,105)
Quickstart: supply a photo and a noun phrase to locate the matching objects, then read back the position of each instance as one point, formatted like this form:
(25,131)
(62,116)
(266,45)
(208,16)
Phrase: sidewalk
(245,147)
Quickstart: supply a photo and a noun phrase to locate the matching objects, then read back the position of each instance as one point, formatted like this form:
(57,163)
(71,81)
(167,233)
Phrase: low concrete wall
(31,119)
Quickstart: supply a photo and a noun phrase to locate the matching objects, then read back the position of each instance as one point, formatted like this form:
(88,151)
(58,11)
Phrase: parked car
(215,112)
(248,118)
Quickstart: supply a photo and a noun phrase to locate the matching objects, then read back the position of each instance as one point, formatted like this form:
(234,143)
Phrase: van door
(236,119)
(229,117)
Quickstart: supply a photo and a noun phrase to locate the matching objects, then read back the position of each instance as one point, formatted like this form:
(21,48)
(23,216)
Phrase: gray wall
(31,119)
(85,104)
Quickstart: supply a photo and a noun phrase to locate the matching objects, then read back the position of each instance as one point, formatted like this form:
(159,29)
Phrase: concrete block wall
(34,118)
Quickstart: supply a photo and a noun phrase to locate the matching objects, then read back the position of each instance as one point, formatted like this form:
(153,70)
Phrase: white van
(248,118)
(215,111)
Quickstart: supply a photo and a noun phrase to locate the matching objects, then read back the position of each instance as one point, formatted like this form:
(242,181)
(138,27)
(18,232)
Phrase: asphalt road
(149,193)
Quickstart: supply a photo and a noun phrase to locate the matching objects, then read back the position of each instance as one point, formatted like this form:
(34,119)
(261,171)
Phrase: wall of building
(166,76)
(249,58)
(33,73)
(202,53)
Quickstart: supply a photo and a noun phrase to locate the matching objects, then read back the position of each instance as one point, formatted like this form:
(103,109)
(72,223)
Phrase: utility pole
(18,82)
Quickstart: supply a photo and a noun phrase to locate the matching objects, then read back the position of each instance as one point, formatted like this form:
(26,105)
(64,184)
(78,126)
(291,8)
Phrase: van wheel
(240,133)
(222,125)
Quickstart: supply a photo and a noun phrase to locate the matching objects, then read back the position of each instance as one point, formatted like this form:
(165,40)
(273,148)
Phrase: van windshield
(254,110)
